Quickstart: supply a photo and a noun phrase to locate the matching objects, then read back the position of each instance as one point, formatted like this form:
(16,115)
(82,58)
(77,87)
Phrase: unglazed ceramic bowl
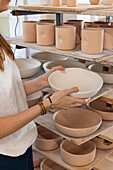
(56,3)
(28,67)
(47,140)
(108,38)
(76,77)
(78,155)
(72,3)
(46,56)
(95,2)
(64,2)
(34,98)
(101,144)
(108,2)
(102,108)
(64,63)
(77,122)
(47,164)
(98,68)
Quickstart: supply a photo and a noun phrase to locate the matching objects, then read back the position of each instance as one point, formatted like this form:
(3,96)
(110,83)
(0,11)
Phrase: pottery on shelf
(87,24)
(108,38)
(100,23)
(64,2)
(102,144)
(76,77)
(92,40)
(78,155)
(47,140)
(65,37)
(77,122)
(45,34)
(72,3)
(34,98)
(108,2)
(103,108)
(47,164)
(47,20)
(95,2)
(106,76)
(56,2)
(29,31)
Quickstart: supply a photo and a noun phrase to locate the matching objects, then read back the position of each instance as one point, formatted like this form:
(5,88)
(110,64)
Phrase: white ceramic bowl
(108,78)
(46,56)
(88,82)
(64,63)
(28,67)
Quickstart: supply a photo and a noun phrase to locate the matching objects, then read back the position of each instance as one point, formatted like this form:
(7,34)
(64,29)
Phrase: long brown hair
(6,47)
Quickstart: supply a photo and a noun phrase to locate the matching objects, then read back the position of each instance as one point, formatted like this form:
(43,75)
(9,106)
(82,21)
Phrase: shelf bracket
(59,19)
(108,19)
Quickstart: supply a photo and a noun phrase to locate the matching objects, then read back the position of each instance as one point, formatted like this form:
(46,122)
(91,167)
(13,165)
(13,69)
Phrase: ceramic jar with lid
(56,2)
(108,2)
(64,2)
(72,3)
(65,37)
(92,40)
(95,2)
(45,34)
(29,31)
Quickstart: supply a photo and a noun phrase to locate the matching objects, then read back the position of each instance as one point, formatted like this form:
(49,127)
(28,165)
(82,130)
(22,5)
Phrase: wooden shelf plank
(55,156)
(107,134)
(52,49)
(108,97)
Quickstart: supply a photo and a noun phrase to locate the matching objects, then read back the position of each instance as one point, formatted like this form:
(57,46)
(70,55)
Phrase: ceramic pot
(108,2)
(69,122)
(101,107)
(56,2)
(64,2)
(78,155)
(100,23)
(92,40)
(108,38)
(34,98)
(47,164)
(106,76)
(95,2)
(45,34)
(87,24)
(72,3)
(47,140)
(101,144)
(65,37)
(29,31)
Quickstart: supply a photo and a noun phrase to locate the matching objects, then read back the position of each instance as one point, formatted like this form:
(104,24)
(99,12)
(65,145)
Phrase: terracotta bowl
(77,122)
(28,67)
(46,56)
(102,108)
(76,77)
(34,98)
(95,2)
(64,63)
(98,68)
(47,164)
(108,2)
(47,140)
(101,144)
(78,155)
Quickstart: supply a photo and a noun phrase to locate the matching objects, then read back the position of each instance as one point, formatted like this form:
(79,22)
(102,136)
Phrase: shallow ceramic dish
(78,155)
(102,108)
(76,77)
(47,164)
(77,122)
(47,140)
(28,67)
(34,98)
(46,56)
(98,68)
(101,144)
(64,63)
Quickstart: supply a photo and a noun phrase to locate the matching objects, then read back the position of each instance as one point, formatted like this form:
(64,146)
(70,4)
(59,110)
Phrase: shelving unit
(105,131)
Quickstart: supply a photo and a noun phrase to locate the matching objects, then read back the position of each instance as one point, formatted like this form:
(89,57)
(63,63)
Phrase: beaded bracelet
(43,109)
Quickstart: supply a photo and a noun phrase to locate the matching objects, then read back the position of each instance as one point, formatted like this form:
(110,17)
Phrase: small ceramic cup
(95,2)
(72,3)
(56,2)
(45,34)
(29,31)
(64,2)
(92,40)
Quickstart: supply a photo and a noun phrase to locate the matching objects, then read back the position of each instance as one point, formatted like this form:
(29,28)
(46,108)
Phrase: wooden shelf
(108,97)
(107,134)
(55,156)
(52,49)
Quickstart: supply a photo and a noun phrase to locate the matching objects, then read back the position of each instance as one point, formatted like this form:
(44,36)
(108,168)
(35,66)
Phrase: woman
(17,129)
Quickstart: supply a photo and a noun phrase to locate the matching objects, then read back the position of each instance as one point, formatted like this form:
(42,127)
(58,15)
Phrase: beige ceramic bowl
(34,98)
(98,68)
(47,164)
(72,3)
(64,63)
(101,144)
(46,56)
(95,2)
(102,108)
(77,122)
(76,77)
(28,67)
(47,140)
(78,155)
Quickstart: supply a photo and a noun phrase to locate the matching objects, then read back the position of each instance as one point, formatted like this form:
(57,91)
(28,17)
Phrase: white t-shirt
(12,101)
